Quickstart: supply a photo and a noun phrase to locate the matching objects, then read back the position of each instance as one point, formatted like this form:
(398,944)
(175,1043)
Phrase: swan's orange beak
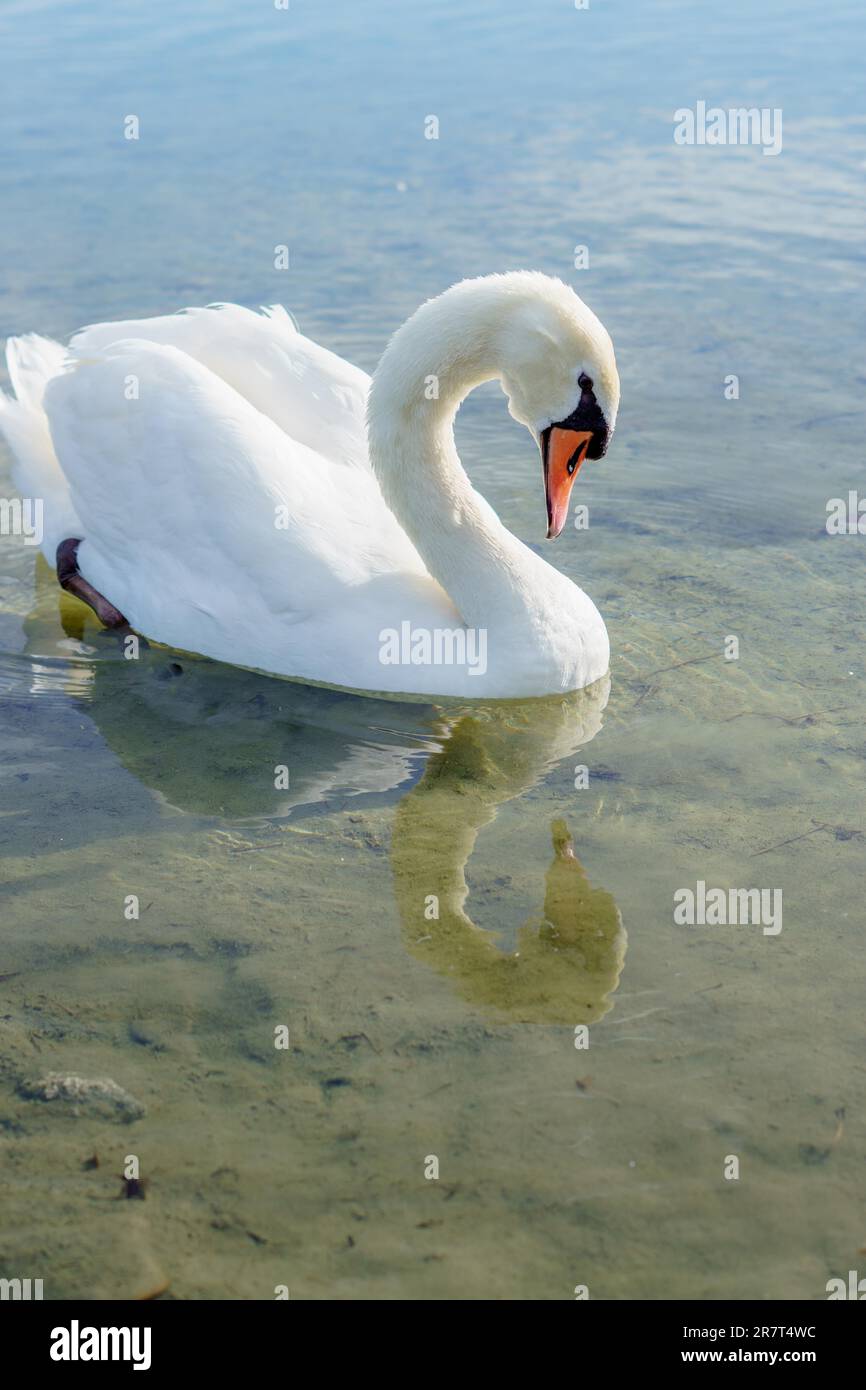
(562,453)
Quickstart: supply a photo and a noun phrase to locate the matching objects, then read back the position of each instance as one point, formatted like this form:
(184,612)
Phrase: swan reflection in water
(569,959)
(207,737)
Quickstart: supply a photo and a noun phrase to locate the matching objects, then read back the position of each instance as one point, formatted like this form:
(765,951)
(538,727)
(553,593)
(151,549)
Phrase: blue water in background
(305,127)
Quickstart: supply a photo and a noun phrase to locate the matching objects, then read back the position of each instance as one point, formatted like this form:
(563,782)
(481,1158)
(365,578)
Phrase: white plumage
(215,463)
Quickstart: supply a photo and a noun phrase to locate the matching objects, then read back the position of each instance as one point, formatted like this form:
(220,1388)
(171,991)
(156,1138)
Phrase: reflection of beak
(562,453)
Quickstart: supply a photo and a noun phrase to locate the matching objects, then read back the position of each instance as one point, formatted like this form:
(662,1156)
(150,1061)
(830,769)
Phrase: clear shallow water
(305,908)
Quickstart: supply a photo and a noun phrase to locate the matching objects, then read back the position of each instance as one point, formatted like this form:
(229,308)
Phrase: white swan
(214,466)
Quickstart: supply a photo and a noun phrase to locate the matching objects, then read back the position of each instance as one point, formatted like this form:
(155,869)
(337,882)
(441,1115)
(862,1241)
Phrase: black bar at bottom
(242,1337)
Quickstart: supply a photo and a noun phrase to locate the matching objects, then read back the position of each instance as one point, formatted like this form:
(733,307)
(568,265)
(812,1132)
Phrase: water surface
(305,908)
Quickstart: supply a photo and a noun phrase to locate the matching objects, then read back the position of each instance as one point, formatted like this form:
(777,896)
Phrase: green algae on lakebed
(264,1164)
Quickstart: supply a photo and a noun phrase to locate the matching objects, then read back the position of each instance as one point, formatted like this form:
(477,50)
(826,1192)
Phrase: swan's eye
(584,382)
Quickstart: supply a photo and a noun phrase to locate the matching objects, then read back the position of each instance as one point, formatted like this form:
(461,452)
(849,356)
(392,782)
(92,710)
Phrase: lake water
(306,1167)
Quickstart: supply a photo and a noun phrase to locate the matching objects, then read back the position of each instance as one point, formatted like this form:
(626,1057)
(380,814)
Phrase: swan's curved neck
(442,353)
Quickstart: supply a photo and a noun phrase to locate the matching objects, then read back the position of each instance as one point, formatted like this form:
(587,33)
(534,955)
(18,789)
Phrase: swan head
(558,370)
(553,357)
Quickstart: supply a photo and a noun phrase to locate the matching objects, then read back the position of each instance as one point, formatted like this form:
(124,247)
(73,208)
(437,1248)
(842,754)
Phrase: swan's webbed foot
(73,582)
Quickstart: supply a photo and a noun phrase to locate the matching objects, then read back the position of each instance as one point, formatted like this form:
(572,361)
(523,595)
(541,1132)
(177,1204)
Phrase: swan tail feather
(32,361)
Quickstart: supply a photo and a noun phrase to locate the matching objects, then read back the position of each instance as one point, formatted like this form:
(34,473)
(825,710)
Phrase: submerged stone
(91,1095)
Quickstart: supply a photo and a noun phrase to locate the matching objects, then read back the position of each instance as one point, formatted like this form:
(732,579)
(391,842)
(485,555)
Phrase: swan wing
(315,396)
(207,525)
